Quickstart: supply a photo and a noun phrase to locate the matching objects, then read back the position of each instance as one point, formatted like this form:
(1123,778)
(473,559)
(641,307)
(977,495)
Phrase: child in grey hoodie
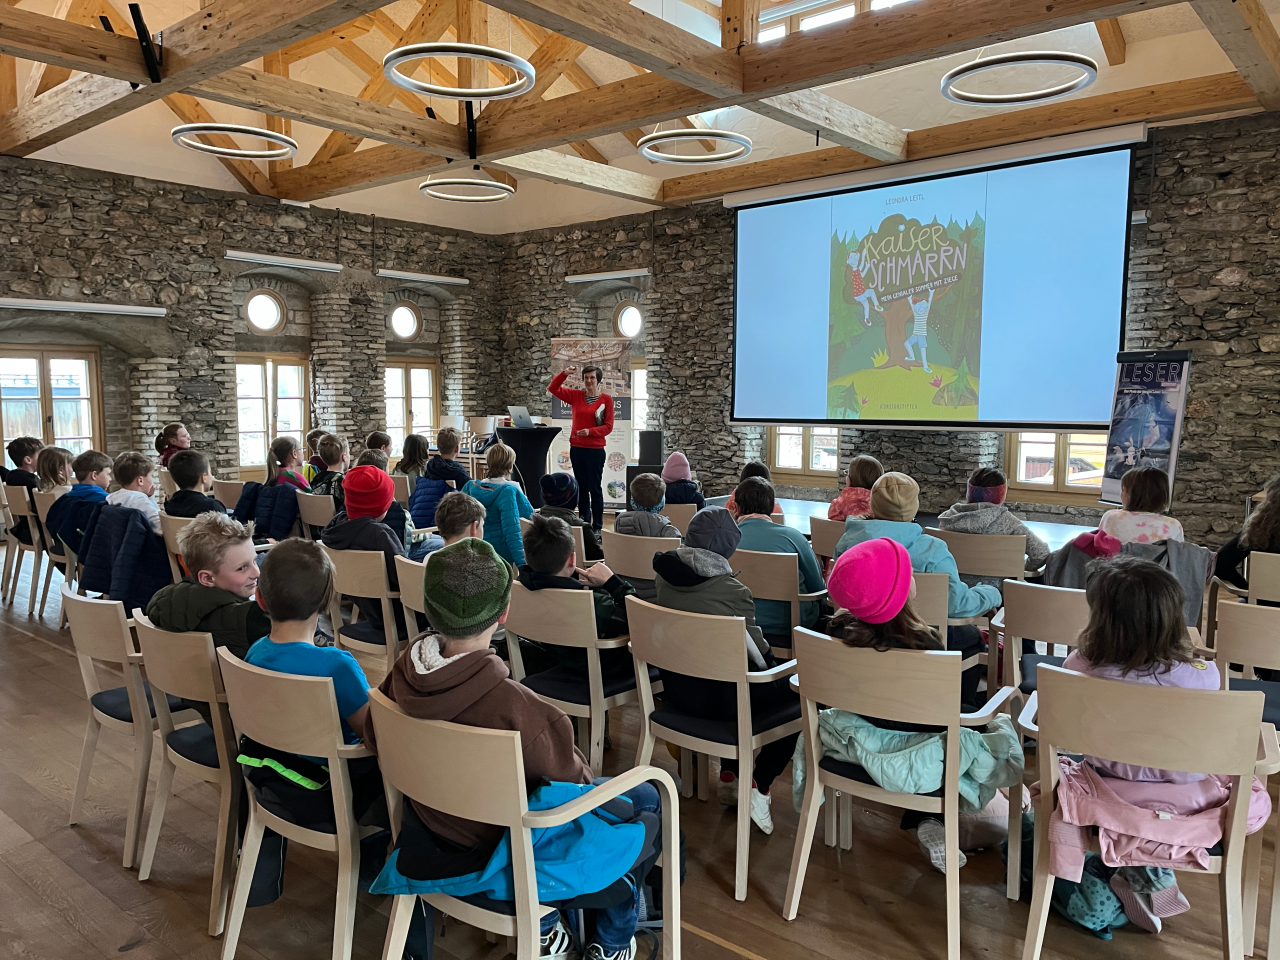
(984,512)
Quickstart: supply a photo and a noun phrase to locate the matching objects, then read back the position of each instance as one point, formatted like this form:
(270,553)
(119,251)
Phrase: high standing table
(531,446)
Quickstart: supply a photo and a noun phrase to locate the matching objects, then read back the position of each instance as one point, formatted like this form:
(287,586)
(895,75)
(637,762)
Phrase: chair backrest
(403,488)
(985,555)
(409,573)
(633,556)
(168,486)
(43,501)
(314,510)
(359,573)
(227,492)
(481,426)
(1264,576)
(5,515)
(19,501)
(450,420)
(908,686)
(169,527)
(281,710)
(564,617)
(181,664)
(1165,728)
(579,541)
(824,535)
(778,518)
(99,628)
(1033,611)
(693,644)
(1248,634)
(679,514)
(933,593)
(770,576)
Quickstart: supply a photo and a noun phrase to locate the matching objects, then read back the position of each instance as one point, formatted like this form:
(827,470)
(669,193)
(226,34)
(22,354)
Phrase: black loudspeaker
(651,446)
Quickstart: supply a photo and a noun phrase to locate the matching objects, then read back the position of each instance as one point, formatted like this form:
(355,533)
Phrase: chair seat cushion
(115,703)
(568,687)
(778,640)
(857,772)
(1027,665)
(364,631)
(196,743)
(1270,689)
(726,731)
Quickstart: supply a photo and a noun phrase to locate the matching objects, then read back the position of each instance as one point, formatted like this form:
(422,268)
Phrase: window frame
(417,320)
(617,320)
(805,471)
(638,363)
(792,23)
(1061,492)
(407,364)
(43,353)
(253,471)
(284,312)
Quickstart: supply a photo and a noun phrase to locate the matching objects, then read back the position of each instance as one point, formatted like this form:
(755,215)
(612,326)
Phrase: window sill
(1055,497)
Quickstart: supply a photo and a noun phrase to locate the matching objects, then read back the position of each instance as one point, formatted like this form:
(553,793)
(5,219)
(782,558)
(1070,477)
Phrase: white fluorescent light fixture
(80,306)
(1139,216)
(271,260)
(610,275)
(424,277)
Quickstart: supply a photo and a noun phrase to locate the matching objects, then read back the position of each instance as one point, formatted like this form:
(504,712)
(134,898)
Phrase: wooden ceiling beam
(276,65)
(577,172)
(1247,36)
(552,58)
(1113,43)
(72,46)
(374,167)
(249,175)
(328,39)
(367,65)
(586,151)
(835,122)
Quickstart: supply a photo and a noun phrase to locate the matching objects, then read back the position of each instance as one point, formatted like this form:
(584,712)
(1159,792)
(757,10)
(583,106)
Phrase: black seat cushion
(569,687)
(196,743)
(778,640)
(1270,689)
(364,631)
(857,772)
(115,703)
(1028,663)
(726,731)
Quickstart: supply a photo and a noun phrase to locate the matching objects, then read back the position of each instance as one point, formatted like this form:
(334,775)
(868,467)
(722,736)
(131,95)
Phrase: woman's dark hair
(1147,490)
(1135,617)
(755,469)
(987,477)
(415,453)
(905,631)
(754,495)
(597,371)
(165,438)
(1262,531)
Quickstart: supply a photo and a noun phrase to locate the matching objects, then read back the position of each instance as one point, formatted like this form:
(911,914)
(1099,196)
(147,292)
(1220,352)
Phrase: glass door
(271,402)
(53,394)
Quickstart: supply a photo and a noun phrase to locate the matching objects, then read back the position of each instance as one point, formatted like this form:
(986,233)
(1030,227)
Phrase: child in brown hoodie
(455,676)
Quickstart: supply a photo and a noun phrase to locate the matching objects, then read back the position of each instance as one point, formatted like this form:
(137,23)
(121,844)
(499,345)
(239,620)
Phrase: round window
(406,321)
(264,311)
(628,320)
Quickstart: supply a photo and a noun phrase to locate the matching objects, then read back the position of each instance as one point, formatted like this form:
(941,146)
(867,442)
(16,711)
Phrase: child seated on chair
(190,471)
(462,517)
(551,563)
(1144,497)
(23,452)
(314,465)
(504,502)
(648,496)
(560,499)
(216,595)
(92,471)
(53,464)
(872,583)
(334,455)
(753,469)
(984,512)
(135,473)
(681,487)
(455,676)
(855,498)
(397,518)
(433,485)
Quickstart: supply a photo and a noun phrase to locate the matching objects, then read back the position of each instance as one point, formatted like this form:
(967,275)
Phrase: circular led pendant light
(649,146)
(523,83)
(186,134)
(1087,66)
(455,189)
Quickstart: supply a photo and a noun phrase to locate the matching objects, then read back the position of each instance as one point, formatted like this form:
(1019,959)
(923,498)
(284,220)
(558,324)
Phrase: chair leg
(249,851)
(743,843)
(344,920)
(804,845)
(19,553)
(10,549)
(686,772)
(402,908)
(1013,872)
(846,821)
(1041,887)
(224,857)
(1273,928)
(704,776)
(141,771)
(37,561)
(595,731)
(644,746)
(832,818)
(86,764)
(1252,871)
(164,786)
(1229,889)
(952,833)
(44,593)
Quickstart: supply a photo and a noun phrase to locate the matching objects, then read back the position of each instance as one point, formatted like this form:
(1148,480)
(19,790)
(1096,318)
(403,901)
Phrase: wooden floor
(64,895)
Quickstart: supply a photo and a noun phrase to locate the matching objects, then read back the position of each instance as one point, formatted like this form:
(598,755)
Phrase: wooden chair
(579,542)
(20,505)
(227,492)
(633,556)
(1053,616)
(567,618)
(912,686)
(100,632)
(773,576)
(54,552)
(298,715)
(713,648)
(168,486)
(314,510)
(1263,571)
(409,574)
(824,535)
(490,787)
(986,555)
(6,520)
(1218,733)
(185,665)
(403,487)
(363,573)
(169,527)
(933,591)
(779,518)
(679,514)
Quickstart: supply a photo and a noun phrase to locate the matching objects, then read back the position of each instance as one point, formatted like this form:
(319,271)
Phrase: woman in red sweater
(592,422)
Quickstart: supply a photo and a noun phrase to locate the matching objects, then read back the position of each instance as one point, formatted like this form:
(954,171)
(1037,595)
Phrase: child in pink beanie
(681,487)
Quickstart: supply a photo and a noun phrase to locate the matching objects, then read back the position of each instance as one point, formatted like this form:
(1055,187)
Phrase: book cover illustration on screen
(906,302)
(1146,419)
